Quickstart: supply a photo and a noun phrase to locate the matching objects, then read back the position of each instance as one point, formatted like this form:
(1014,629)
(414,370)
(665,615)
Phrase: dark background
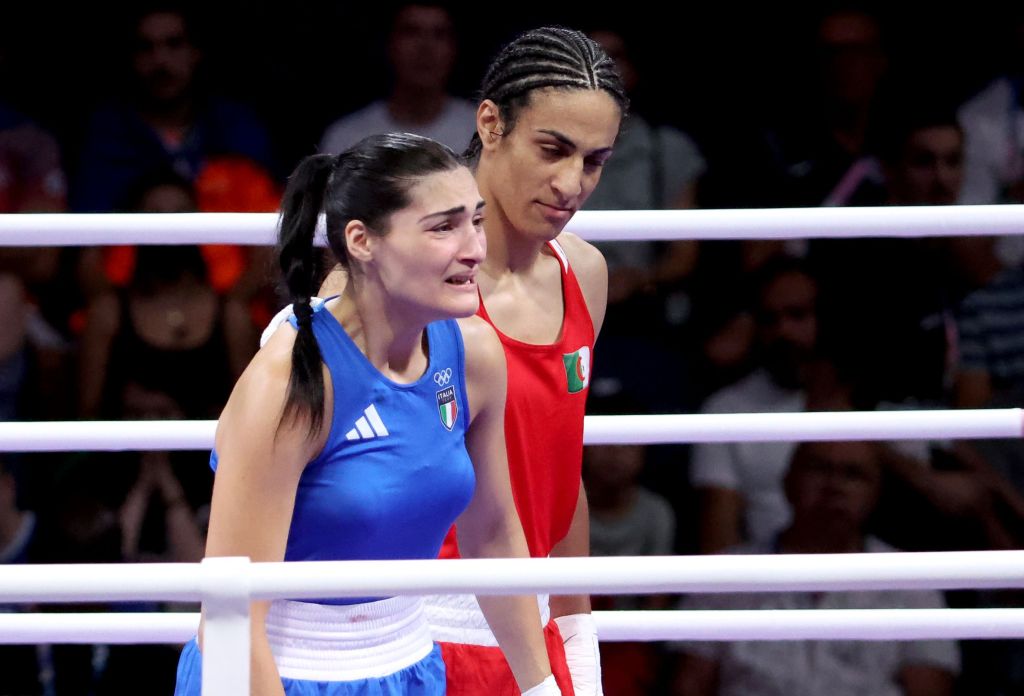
(713,69)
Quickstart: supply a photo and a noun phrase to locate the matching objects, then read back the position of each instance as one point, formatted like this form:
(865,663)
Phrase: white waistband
(322,642)
(458,619)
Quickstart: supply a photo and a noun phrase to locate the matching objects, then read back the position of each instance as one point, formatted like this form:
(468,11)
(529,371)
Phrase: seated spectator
(421,51)
(158,302)
(993,121)
(233,184)
(891,325)
(111,519)
(31,177)
(833,488)
(167,331)
(919,160)
(653,167)
(33,364)
(146,507)
(825,154)
(168,122)
(626,519)
(991,361)
(740,484)
(32,181)
(164,510)
(165,191)
(17,545)
(989,371)
(721,340)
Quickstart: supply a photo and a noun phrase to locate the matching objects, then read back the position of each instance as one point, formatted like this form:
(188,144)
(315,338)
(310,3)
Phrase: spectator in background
(988,320)
(993,121)
(833,488)
(31,177)
(989,371)
(32,180)
(740,484)
(923,161)
(741,498)
(654,167)
(919,157)
(421,49)
(626,519)
(163,512)
(826,163)
(239,274)
(163,325)
(169,120)
(17,526)
(33,371)
(132,514)
(722,339)
(17,542)
(892,299)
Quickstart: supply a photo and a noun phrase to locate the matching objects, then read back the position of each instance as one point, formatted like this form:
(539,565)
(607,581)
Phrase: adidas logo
(368,427)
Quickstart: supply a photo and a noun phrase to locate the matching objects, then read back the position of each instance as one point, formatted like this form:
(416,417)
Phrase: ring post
(226,629)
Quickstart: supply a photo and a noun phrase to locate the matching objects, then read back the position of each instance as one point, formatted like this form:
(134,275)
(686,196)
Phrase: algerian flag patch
(577,369)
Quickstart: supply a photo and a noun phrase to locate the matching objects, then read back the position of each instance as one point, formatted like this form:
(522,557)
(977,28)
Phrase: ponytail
(300,208)
(368,182)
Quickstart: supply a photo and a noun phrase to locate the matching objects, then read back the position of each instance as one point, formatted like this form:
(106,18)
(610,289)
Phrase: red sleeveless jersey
(547,392)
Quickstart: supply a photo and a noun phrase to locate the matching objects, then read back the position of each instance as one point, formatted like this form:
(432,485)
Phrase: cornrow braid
(549,57)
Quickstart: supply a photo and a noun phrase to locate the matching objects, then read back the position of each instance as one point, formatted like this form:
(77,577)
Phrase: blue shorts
(424,678)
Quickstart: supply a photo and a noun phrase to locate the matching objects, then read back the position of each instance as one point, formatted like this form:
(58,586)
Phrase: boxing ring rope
(226,585)
(138,628)
(184,582)
(45,229)
(79,436)
(217,579)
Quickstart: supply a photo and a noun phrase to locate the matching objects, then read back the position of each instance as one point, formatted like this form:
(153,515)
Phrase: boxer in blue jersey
(368,425)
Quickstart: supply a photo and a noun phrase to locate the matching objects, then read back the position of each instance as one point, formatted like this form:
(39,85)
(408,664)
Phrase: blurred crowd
(153,332)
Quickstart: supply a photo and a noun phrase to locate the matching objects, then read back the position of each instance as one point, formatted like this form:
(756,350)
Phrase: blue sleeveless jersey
(394,473)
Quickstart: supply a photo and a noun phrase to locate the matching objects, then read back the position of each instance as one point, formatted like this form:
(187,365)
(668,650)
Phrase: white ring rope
(110,628)
(645,626)
(88,436)
(812,624)
(605,575)
(46,229)
(227,583)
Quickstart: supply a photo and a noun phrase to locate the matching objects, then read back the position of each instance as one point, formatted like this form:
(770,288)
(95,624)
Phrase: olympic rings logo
(443,377)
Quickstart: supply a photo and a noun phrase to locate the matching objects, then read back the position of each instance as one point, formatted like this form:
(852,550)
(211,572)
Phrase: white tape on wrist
(548,687)
(579,634)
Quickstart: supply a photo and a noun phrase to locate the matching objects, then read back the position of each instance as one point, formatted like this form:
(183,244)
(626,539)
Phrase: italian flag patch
(577,369)
(447,407)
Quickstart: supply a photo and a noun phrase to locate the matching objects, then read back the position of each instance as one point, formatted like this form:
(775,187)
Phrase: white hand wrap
(545,688)
(281,317)
(579,633)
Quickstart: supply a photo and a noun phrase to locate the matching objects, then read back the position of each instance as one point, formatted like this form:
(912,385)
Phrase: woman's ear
(358,241)
(489,125)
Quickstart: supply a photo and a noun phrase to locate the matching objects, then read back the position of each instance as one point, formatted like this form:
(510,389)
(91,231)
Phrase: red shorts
(473,670)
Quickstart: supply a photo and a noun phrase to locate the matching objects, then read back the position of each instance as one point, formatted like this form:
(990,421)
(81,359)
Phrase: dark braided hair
(553,57)
(368,182)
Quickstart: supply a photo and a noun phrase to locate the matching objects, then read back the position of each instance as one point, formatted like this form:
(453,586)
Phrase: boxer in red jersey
(551,107)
